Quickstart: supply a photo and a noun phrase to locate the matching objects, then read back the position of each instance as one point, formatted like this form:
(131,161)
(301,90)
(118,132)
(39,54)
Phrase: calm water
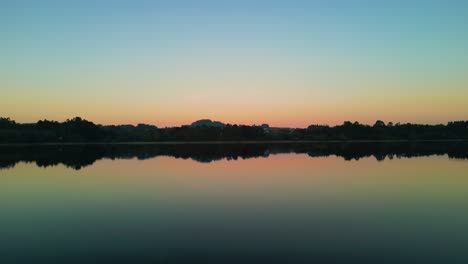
(258,203)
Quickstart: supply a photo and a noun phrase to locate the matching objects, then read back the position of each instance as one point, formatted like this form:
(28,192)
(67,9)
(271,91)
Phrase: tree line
(81,130)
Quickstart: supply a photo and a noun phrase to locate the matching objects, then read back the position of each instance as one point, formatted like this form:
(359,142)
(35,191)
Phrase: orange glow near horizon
(290,116)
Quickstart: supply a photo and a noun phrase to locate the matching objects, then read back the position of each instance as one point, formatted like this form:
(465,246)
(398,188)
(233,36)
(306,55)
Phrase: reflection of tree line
(78,156)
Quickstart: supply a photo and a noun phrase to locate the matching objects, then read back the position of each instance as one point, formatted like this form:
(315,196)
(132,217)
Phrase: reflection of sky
(241,62)
(280,205)
(282,178)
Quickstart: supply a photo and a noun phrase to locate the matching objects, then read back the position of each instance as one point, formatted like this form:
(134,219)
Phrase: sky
(285,63)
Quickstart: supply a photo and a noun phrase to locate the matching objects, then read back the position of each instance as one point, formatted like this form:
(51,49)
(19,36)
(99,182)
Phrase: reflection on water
(297,203)
(78,156)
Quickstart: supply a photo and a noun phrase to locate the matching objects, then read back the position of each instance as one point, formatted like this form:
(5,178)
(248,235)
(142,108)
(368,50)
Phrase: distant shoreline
(205,131)
(229,142)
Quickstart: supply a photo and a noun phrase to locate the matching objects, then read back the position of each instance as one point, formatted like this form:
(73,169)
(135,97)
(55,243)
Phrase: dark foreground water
(235,203)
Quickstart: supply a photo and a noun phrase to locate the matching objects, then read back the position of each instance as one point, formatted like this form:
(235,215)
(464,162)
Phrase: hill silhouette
(81,130)
(207,122)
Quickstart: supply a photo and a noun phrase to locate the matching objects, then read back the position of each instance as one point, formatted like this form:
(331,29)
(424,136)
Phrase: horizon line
(238,124)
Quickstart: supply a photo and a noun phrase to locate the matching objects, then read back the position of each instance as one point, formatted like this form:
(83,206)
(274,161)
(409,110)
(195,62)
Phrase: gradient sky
(286,63)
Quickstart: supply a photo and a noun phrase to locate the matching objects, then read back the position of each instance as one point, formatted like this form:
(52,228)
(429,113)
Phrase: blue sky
(168,62)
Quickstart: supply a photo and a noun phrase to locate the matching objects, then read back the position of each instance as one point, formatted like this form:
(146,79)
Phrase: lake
(240,203)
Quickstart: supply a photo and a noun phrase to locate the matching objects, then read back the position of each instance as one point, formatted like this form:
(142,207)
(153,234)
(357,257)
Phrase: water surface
(354,202)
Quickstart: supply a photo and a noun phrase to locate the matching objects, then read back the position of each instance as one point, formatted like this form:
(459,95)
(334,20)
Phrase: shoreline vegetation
(205,131)
(244,142)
